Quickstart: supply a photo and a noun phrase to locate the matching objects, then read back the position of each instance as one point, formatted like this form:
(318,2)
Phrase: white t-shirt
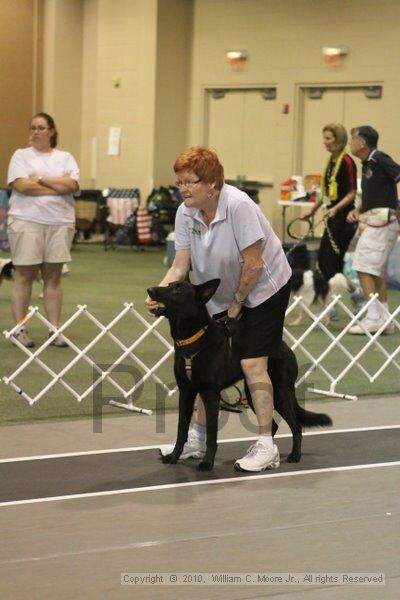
(215,250)
(49,210)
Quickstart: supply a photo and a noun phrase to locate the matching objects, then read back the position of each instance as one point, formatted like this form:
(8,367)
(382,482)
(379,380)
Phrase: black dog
(6,269)
(207,361)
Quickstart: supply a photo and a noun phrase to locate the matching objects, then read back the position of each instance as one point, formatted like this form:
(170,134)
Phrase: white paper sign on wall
(114,141)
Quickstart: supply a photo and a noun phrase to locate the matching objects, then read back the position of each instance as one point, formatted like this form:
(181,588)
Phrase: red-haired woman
(221,233)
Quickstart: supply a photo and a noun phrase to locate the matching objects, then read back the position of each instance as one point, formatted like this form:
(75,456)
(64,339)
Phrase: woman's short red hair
(202,161)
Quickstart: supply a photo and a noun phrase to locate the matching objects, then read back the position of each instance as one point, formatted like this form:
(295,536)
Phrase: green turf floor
(104,281)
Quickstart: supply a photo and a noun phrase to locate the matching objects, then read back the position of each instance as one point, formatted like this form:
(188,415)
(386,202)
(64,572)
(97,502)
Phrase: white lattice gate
(320,360)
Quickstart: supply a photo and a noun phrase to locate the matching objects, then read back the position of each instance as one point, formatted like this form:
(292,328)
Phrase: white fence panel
(317,362)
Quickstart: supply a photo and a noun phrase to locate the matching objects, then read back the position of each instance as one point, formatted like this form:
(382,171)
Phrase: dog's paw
(205,466)
(293,457)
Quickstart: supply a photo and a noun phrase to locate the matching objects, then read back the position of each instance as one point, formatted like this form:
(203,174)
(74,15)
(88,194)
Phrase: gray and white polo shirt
(215,249)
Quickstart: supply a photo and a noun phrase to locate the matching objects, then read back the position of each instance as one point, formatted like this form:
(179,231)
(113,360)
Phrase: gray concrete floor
(332,522)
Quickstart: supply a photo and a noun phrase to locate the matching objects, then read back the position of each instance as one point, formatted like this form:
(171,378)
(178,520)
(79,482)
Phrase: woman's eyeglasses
(38,128)
(187,184)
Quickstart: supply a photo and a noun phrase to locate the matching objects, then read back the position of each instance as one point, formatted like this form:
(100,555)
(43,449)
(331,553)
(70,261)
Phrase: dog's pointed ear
(206,290)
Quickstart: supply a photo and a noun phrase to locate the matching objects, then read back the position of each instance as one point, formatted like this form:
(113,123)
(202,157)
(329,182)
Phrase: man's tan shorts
(35,243)
(373,249)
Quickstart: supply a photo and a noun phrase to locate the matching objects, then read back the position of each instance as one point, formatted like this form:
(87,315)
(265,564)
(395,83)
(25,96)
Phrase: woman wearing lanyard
(338,191)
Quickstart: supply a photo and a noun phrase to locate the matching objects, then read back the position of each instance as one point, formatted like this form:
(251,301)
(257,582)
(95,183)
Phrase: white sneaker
(389,329)
(370,325)
(59,342)
(23,337)
(259,458)
(194,447)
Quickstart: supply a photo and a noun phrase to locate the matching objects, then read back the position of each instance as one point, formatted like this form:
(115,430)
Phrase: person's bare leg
(263,454)
(381,288)
(201,418)
(368,284)
(262,394)
(371,284)
(52,291)
(24,277)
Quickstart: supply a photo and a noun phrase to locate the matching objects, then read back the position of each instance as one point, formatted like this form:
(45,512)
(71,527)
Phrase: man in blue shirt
(377,216)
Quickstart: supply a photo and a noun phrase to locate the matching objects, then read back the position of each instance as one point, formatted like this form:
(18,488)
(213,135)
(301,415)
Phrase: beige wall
(127,50)
(284,41)
(167,52)
(20,60)
(62,68)
(88,135)
(174,35)
(145,44)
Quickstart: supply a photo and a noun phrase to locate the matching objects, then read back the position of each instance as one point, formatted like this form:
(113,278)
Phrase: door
(349,106)
(241,127)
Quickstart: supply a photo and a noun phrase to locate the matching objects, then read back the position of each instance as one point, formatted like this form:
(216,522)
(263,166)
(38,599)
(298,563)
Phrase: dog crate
(87,212)
(119,215)
(162,204)
(4,243)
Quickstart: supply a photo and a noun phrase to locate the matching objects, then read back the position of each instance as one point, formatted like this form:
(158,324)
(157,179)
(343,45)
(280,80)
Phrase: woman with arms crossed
(41,221)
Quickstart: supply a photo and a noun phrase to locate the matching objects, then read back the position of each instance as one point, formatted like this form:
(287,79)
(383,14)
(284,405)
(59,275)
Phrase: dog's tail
(321,286)
(312,419)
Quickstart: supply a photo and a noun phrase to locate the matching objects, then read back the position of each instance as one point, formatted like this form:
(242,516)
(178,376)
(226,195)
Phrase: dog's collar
(192,339)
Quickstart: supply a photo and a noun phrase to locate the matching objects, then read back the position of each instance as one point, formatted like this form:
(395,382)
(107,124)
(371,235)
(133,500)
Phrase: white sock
(374,312)
(267,441)
(384,311)
(200,431)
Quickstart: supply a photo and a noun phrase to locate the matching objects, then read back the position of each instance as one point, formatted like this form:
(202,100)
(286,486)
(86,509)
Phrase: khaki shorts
(35,243)
(373,248)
